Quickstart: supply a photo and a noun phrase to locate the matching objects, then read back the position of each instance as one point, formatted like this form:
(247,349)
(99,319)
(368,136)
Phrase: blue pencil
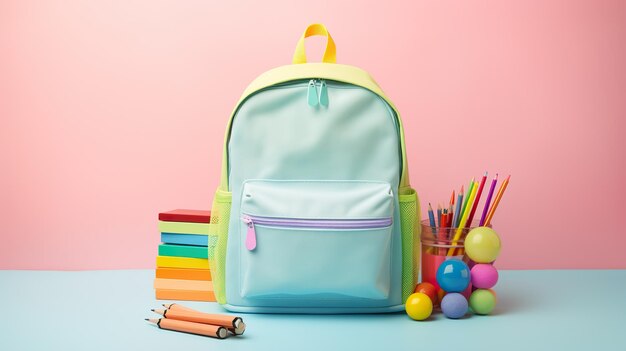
(457,213)
(431,217)
(439,215)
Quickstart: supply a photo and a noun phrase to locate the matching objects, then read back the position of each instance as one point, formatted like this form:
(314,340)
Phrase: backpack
(314,212)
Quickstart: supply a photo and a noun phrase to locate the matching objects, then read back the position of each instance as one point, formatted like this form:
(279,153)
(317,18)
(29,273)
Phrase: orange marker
(214,331)
(234,324)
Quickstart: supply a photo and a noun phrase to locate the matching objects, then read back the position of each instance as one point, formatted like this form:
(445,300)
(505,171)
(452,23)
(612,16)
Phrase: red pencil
(480,190)
(451,210)
(442,231)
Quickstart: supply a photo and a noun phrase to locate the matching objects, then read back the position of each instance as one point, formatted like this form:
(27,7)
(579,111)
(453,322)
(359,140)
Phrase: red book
(194,216)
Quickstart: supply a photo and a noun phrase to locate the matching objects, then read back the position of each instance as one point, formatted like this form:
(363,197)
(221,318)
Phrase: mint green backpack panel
(334,170)
(314,212)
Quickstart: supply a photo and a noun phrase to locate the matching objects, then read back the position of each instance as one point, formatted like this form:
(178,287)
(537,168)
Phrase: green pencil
(467,198)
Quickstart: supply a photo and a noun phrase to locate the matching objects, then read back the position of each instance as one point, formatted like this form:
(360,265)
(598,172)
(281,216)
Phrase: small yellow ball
(419,306)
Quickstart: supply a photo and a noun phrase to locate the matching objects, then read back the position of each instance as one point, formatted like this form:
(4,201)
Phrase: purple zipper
(250,221)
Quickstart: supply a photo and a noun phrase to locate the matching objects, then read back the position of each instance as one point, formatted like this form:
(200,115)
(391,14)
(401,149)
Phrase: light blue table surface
(105,310)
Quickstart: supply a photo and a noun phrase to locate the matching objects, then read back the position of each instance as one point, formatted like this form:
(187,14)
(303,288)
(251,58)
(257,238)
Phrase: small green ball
(482,301)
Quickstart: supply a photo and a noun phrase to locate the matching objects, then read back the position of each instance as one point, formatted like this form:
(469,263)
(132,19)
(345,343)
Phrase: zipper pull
(312,94)
(251,236)
(323,94)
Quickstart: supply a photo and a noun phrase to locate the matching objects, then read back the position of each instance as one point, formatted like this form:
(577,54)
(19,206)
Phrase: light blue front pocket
(315,241)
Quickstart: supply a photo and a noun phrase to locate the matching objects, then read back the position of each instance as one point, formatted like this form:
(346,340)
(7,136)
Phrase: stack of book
(182,271)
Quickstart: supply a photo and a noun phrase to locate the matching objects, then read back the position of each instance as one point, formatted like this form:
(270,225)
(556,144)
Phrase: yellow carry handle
(330,54)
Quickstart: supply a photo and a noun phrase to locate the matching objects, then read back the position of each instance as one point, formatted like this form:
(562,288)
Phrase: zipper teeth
(303,83)
(323,223)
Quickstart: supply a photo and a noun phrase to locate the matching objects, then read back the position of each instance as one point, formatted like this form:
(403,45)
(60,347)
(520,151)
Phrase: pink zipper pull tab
(251,236)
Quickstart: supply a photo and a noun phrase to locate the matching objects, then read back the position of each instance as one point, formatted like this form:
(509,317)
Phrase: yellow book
(184,228)
(182,262)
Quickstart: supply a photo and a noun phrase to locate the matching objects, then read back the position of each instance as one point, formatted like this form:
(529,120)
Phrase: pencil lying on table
(234,324)
(175,311)
(214,331)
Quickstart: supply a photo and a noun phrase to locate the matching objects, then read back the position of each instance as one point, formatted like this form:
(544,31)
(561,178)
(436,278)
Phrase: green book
(184,228)
(183,251)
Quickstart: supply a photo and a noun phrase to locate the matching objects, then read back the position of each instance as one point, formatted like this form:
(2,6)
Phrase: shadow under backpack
(314,212)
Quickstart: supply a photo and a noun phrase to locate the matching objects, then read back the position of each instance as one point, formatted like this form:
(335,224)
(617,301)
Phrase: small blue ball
(453,275)
(454,305)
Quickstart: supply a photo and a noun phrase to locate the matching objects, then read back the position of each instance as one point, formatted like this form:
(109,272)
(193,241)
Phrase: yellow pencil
(492,210)
(459,230)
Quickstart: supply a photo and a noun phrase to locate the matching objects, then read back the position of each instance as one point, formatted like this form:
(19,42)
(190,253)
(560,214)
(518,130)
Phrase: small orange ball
(428,289)
(440,294)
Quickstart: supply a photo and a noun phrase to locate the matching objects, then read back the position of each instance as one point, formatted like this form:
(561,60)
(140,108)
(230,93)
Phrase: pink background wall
(112,111)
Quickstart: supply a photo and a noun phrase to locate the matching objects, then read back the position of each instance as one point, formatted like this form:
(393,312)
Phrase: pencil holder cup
(440,244)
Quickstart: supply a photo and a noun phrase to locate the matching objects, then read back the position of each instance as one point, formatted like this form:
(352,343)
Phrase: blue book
(185,239)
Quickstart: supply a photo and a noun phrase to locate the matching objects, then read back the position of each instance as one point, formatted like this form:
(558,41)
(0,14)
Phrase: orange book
(181,284)
(183,273)
(168,294)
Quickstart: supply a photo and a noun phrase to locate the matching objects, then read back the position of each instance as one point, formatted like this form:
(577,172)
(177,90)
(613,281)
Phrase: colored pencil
(441,234)
(477,200)
(233,323)
(457,212)
(177,306)
(493,207)
(214,331)
(452,199)
(222,320)
(431,218)
(459,230)
(433,225)
(488,201)
(469,191)
(451,209)
(439,215)
(470,203)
